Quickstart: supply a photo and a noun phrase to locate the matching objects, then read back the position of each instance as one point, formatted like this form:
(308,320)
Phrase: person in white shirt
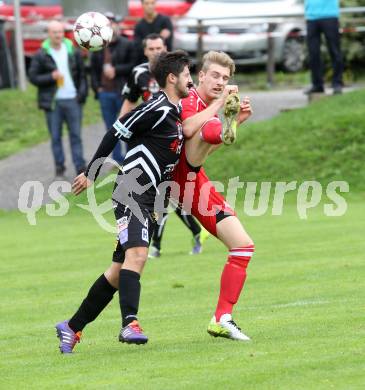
(58,71)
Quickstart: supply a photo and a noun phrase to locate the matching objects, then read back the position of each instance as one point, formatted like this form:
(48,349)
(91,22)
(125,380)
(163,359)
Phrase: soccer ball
(92,31)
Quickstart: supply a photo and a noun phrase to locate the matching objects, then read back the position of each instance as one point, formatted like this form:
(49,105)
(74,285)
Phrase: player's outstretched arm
(193,123)
(81,182)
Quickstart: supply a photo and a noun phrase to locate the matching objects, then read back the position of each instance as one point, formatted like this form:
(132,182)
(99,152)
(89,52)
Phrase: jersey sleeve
(189,106)
(131,89)
(105,148)
(136,122)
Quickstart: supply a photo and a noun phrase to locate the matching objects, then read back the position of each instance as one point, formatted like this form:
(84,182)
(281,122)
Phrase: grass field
(303,303)
(23,125)
(324,141)
(303,306)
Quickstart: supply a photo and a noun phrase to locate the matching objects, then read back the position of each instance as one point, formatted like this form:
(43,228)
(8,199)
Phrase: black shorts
(132,232)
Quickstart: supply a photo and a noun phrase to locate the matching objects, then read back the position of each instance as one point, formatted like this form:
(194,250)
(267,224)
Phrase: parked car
(240,27)
(36,14)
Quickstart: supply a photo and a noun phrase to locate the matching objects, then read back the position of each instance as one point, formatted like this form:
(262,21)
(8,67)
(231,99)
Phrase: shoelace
(234,324)
(77,337)
(136,327)
(74,339)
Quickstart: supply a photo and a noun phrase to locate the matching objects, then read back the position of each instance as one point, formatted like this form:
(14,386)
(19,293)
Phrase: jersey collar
(199,97)
(178,106)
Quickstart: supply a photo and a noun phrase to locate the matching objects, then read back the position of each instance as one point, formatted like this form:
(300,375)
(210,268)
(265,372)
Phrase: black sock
(129,292)
(158,232)
(99,295)
(189,221)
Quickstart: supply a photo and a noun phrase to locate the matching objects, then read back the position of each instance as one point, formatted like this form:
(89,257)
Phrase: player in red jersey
(204,132)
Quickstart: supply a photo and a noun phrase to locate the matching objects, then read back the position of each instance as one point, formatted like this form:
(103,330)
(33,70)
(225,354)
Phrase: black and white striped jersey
(140,83)
(153,133)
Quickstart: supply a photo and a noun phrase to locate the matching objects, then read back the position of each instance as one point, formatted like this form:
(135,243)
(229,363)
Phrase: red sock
(211,131)
(232,279)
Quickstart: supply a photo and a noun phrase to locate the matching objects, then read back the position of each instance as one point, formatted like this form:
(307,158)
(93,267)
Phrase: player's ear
(171,78)
(201,75)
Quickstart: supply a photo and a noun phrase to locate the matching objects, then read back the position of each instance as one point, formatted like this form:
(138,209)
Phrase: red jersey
(192,104)
(200,198)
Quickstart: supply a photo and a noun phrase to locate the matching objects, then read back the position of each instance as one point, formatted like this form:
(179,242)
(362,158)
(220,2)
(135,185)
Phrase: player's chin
(184,93)
(215,93)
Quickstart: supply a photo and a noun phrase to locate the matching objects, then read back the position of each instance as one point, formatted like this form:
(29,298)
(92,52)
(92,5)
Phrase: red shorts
(198,196)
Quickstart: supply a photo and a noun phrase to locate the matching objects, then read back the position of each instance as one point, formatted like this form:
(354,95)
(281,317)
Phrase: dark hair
(152,37)
(171,62)
(113,17)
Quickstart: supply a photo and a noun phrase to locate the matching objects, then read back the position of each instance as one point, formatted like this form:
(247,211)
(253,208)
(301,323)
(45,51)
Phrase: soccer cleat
(197,246)
(68,338)
(154,252)
(232,107)
(132,334)
(227,328)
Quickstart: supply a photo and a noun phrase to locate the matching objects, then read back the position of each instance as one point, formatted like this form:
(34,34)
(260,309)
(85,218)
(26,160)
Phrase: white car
(239,27)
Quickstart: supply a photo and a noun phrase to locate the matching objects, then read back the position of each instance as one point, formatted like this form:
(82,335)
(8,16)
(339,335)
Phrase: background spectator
(141,82)
(58,71)
(322,16)
(152,22)
(110,69)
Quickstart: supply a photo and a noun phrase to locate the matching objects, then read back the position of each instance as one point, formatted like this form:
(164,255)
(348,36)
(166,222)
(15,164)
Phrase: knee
(245,241)
(112,274)
(136,257)
(211,131)
(248,242)
(140,259)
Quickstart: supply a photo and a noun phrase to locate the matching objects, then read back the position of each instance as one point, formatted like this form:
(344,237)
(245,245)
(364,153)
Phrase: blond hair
(219,58)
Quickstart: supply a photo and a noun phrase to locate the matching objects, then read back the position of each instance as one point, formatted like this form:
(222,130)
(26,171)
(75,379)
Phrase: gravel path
(36,163)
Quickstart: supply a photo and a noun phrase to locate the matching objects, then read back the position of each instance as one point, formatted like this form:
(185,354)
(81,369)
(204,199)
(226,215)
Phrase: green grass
(254,78)
(303,302)
(324,141)
(23,125)
(303,306)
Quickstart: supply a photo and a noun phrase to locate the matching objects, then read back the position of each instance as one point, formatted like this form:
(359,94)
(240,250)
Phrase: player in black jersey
(142,83)
(154,136)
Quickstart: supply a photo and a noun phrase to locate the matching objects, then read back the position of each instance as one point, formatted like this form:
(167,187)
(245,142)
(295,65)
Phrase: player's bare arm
(193,124)
(245,110)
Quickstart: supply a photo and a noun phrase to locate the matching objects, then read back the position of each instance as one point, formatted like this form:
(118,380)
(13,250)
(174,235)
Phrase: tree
(353,44)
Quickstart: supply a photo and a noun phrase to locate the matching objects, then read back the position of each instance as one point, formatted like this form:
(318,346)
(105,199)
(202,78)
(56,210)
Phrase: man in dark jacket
(110,69)
(152,22)
(58,71)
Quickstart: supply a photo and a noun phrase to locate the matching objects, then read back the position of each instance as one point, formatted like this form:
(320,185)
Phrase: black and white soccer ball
(93,31)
